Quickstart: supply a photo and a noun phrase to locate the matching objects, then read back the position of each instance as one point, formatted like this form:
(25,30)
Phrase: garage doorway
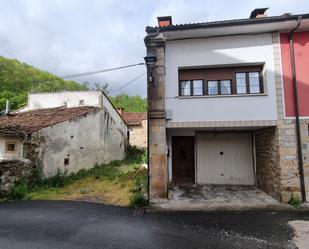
(183,159)
(225,159)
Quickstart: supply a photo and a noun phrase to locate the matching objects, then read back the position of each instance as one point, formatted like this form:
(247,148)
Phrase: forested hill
(17,79)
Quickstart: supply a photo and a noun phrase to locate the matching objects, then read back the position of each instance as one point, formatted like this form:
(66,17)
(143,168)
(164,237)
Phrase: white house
(52,136)
(215,105)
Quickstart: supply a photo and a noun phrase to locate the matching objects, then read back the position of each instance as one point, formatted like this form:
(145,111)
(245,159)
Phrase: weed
(84,191)
(19,191)
(295,200)
(138,200)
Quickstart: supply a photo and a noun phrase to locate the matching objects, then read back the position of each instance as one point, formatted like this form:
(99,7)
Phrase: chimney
(258,13)
(164,21)
(120,110)
(7,107)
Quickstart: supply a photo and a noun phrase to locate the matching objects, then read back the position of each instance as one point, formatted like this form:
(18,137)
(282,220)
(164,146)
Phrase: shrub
(295,201)
(19,191)
(145,157)
(140,191)
(138,200)
(58,180)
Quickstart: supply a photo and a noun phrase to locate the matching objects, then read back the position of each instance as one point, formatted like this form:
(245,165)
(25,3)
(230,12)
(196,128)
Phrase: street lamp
(150,60)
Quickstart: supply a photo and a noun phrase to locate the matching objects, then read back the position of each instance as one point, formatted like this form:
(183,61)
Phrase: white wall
(50,100)
(221,51)
(91,139)
(10,155)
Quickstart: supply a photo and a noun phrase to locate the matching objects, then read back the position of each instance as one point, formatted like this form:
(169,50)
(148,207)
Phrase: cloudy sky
(73,36)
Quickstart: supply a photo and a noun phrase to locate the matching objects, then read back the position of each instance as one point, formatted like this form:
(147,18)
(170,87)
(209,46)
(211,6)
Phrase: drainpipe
(296,109)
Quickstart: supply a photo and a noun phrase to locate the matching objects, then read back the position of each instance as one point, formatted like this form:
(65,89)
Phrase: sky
(75,36)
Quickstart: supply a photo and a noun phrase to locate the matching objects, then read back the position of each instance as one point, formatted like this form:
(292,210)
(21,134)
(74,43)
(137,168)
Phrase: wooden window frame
(10,142)
(246,72)
(232,79)
(191,88)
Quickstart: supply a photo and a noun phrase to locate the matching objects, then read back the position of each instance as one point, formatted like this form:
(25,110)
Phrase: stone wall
(290,177)
(277,159)
(158,170)
(12,171)
(268,170)
(138,135)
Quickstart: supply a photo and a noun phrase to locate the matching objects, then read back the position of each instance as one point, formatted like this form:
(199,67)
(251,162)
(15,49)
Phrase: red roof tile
(23,123)
(134,118)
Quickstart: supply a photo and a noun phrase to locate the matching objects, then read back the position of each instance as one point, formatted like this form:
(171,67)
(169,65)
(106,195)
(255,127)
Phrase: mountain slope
(17,79)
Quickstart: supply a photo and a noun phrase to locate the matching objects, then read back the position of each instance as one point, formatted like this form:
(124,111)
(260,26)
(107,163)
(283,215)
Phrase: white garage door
(225,159)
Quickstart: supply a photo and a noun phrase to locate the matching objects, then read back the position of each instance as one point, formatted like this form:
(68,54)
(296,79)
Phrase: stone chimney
(258,13)
(164,21)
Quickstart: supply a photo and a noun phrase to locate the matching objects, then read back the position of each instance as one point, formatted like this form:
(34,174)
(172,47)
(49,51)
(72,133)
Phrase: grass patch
(121,183)
(295,201)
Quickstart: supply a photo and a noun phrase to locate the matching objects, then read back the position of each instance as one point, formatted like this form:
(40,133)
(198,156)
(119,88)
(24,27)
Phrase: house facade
(220,104)
(137,124)
(69,139)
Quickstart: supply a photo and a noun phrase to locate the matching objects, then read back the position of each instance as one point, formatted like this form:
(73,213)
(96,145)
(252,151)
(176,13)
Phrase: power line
(128,83)
(69,76)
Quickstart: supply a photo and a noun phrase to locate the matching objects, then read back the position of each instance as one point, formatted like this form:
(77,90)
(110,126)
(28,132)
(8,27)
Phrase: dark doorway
(183,159)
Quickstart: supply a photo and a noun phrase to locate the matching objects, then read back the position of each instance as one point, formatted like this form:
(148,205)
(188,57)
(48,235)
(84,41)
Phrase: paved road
(89,225)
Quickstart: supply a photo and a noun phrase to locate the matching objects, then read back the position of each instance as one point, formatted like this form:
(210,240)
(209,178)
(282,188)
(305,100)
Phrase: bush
(145,157)
(58,180)
(19,191)
(295,201)
(138,200)
(140,191)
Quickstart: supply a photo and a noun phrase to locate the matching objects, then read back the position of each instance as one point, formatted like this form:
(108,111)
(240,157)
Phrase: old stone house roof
(134,118)
(20,124)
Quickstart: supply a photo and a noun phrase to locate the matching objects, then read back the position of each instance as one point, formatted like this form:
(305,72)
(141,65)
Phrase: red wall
(301,46)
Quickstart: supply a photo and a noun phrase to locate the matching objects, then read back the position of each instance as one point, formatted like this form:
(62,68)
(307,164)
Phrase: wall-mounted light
(150,60)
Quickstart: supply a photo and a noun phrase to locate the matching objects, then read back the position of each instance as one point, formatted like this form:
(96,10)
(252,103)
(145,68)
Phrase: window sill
(222,96)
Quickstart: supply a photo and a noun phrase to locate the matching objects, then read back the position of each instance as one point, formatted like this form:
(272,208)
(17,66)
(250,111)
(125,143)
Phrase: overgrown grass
(119,182)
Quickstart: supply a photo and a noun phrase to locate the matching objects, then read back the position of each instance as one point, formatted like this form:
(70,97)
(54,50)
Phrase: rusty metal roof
(20,124)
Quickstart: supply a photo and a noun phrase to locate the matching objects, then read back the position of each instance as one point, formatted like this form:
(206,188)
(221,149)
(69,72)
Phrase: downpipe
(296,109)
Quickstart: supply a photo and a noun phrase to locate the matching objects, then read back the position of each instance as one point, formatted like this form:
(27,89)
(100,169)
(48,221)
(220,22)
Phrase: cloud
(75,36)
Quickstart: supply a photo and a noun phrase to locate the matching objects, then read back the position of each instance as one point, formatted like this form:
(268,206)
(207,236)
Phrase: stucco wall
(10,155)
(301,51)
(95,138)
(72,99)
(221,51)
(138,135)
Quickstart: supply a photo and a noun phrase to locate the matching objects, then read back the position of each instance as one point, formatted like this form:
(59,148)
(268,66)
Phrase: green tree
(17,79)
(130,103)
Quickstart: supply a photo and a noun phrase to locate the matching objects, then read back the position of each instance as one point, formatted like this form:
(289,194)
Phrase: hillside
(17,79)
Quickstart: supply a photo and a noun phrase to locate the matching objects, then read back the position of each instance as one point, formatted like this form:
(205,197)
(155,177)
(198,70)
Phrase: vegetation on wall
(122,183)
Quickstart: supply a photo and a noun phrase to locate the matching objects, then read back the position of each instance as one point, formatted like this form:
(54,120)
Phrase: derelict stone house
(69,138)
(137,123)
(222,104)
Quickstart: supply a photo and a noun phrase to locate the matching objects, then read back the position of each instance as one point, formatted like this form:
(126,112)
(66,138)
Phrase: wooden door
(183,159)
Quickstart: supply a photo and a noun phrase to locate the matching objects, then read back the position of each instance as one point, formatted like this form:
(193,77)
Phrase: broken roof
(134,118)
(24,123)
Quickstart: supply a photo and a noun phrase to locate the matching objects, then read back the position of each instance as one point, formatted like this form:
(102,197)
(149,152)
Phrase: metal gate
(225,159)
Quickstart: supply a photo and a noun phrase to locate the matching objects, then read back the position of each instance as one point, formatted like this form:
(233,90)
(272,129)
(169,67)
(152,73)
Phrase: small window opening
(10,147)
(81,102)
(66,161)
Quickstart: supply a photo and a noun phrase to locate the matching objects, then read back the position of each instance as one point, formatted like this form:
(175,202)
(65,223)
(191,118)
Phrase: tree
(130,103)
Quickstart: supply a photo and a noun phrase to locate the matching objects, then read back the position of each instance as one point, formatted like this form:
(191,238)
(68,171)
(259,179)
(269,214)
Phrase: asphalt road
(58,224)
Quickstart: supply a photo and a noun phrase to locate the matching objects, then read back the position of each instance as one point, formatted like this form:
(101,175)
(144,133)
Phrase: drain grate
(139,211)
